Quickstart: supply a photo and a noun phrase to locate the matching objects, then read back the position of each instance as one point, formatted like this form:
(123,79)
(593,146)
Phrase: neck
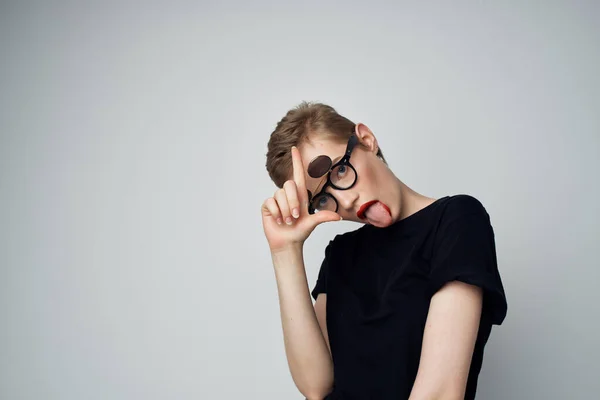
(411,201)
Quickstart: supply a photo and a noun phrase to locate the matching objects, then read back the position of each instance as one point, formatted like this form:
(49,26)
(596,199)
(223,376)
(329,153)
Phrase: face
(375,182)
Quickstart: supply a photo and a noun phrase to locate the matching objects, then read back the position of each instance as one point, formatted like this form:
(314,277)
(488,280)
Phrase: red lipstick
(361,211)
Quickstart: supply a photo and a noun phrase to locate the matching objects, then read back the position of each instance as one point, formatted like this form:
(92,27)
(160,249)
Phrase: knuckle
(282,202)
(271,203)
(289,184)
(279,193)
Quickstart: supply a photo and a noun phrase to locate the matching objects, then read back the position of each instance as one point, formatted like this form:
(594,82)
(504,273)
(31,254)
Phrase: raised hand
(285,216)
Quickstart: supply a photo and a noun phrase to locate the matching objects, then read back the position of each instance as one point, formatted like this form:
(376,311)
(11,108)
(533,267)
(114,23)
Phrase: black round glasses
(340,176)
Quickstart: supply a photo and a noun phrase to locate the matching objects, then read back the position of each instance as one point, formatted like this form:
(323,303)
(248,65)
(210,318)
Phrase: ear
(366,137)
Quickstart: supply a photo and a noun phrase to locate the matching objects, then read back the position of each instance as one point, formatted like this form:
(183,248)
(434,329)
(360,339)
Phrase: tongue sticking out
(378,214)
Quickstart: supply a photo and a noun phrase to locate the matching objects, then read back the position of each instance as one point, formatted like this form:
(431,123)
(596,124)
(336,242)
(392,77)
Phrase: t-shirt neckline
(411,220)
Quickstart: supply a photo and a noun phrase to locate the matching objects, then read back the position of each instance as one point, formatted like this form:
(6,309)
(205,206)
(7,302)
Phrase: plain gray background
(133,139)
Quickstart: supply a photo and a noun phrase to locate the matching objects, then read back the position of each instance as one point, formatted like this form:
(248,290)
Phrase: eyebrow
(335,160)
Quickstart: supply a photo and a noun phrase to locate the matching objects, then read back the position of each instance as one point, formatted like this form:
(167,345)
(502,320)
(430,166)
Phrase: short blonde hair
(295,127)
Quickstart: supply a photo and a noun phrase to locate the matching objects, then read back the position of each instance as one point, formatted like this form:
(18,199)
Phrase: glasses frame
(345,160)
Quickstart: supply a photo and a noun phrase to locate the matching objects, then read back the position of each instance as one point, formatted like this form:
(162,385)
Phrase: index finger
(298,169)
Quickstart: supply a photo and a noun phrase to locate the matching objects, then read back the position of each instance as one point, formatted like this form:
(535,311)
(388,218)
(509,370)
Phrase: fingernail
(341,218)
(279,221)
(288,221)
(295,213)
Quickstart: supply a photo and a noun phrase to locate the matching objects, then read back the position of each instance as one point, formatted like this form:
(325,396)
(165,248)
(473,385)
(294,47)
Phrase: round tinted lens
(319,166)
(343,176)
(324,202)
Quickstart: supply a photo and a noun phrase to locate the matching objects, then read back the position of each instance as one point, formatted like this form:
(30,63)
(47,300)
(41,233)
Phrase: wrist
(288,249)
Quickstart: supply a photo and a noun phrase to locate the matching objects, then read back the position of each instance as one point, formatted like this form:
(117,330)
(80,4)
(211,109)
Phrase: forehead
(313,148)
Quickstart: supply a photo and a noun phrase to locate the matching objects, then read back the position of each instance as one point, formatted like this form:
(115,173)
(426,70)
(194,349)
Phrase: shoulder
(462,205)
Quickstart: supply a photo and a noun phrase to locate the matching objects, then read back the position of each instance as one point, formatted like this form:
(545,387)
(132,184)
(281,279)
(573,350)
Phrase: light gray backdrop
(133,139)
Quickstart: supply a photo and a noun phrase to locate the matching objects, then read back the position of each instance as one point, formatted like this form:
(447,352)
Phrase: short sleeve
(321,285)
(465,250)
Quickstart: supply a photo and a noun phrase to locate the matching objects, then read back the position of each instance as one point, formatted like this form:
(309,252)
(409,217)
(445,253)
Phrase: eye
(341,170)
(322,201)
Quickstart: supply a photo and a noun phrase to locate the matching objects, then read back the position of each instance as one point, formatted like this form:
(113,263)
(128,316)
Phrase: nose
(346,199)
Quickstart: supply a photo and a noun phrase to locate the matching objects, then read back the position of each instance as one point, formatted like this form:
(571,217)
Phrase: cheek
(368,180)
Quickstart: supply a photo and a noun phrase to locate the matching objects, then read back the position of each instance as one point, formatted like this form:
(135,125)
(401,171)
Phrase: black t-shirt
(379,283)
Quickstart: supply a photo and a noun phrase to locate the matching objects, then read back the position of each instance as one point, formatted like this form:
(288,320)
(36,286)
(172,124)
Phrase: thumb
(326,216)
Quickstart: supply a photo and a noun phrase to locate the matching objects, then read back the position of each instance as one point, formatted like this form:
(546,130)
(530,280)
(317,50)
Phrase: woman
(404,305)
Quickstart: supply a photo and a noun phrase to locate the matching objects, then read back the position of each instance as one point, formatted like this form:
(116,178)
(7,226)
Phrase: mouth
(361,211)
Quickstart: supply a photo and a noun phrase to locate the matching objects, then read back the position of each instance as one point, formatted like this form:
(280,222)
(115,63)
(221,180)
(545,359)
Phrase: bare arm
(321,311)
(448,342)
(306,349)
